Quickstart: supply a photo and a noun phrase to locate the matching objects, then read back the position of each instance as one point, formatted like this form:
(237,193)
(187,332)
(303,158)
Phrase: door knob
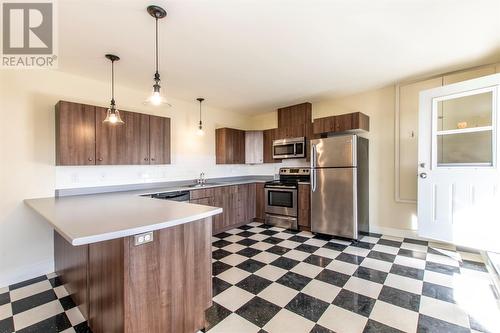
(423,175)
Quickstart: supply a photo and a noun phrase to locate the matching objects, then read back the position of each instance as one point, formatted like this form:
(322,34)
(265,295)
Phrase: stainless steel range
(281,197)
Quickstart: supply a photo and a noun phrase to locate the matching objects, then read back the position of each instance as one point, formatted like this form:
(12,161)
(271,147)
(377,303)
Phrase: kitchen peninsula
(132,263)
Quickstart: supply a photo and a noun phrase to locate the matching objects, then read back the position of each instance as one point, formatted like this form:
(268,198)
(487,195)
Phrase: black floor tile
(7,325)
(335,246)
(4,298)
(410,272)
(245,227)
(416,241)
(273,240)
(219,254)
(307,248)
(56,282)
(57,323)
(320,329)
(251,265)
(268,232)
(249,252)
(318,260)
(279,250)
(350,258)
(258,311)
(373,326)
(477,266)
(389,242)
(363,245)
(439,292)
(428,324)
(400,298)
(294,280)
(214,315)
(331,277)
(381,256)
(67,303)
(221,243)
(412,254)
(298,239)
(82,328)
(254,284)
(246,234)
(219,286)
(285,263)
(223,235)
(370,274)
(219,267)
(440,268)
(27,282)
(323,237)
(357,303)
(33,301)
(307,306)
(247,242)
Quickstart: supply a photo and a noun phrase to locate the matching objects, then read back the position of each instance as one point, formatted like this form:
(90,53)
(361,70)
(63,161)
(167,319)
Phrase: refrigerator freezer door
(334,152)
(334,202)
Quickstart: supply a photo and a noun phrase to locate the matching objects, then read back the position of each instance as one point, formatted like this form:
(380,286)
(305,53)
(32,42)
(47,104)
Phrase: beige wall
(27,99)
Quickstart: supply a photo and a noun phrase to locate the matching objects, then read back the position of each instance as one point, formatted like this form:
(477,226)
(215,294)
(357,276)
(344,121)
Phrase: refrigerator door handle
(313,180)
(313,167)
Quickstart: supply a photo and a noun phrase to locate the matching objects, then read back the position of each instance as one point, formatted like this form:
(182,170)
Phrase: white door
(458,177)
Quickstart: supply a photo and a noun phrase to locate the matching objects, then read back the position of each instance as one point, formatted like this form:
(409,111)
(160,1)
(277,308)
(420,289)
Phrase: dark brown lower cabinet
(237,202)
(304,205)
(260,203)
(123,288)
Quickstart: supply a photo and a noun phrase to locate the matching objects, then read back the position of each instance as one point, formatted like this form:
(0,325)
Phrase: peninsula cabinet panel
(122,144)
(75,134)
(229,146)
(159,140)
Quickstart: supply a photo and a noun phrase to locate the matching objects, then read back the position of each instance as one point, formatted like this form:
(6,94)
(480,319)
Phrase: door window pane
(465,148)
(465,112)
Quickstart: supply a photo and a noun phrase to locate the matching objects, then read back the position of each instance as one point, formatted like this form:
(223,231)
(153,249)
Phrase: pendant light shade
(200,124)
(156,97)
(113,115)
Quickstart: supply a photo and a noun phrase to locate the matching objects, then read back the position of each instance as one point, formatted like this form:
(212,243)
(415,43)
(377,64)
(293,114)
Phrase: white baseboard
(26,272)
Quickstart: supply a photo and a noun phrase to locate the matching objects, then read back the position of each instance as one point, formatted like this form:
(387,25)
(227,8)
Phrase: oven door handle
(281,188)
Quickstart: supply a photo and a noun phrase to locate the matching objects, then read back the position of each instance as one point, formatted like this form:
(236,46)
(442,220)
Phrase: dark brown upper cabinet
(75,134)
(341,123)
(295,115)
(269,136)
(159,140)
(83,139)
(229,146)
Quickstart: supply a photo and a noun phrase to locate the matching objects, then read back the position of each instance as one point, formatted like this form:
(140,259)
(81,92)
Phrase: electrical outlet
(143,238)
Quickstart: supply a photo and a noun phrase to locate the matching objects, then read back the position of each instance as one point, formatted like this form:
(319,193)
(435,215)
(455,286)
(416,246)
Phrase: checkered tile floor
(268,279)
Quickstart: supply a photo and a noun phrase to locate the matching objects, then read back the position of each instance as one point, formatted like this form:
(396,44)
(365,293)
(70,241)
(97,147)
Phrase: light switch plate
(143,238)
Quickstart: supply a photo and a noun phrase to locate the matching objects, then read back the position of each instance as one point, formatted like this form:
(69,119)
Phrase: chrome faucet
(201,180)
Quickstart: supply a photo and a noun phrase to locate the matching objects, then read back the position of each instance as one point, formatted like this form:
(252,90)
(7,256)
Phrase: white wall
(27,136)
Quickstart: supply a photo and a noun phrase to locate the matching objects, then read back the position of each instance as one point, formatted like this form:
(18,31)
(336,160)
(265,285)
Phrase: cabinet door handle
(100,159)
(153,159)
(90,159)
(146,159)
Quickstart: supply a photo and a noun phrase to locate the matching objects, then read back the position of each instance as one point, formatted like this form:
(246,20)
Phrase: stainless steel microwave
(289,148)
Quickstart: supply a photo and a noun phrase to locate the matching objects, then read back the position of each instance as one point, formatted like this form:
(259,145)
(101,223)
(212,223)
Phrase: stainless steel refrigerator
(339,186)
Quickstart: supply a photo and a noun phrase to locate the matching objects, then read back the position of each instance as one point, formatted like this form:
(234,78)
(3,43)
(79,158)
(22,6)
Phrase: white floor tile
(30,290)
(471,256)
(278,294)
(61,291)
(386,249)
(369,239)
(297,255)
(332,254)
(342,321)
(233,275)
(438,278)
(261,246)
(234,323)
(444,260)
(445,246)
(410,262)
(5,311)
(414,247)
(287,321)
(233,259)
(233,248)
(363,287)
(305,234)
(379,265)
(283,235)
(233,298)
(315,242)
(271,272)
(404,283)
(342,267)
(259,237)
(306,269)
(321,290)
(395,316)
(392,238)
(234,238)
(289,244)
(75,316)
(443,310)
(256,229)
(266,257)
(357,251)
(35,315)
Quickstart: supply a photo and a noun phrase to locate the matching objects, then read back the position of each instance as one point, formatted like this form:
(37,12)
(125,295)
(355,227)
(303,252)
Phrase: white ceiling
(254,56)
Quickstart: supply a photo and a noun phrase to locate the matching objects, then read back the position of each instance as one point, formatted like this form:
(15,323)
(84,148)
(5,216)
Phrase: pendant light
(113,115)
(200,124)
(156,97)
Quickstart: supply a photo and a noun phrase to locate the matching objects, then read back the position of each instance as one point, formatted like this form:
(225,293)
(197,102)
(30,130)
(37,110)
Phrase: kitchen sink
(204,185)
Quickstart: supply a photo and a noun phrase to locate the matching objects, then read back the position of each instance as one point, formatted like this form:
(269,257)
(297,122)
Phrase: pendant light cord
(200,112)
(156,45)
(112,82)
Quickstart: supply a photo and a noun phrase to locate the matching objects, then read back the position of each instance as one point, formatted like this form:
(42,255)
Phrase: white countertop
(94,218)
